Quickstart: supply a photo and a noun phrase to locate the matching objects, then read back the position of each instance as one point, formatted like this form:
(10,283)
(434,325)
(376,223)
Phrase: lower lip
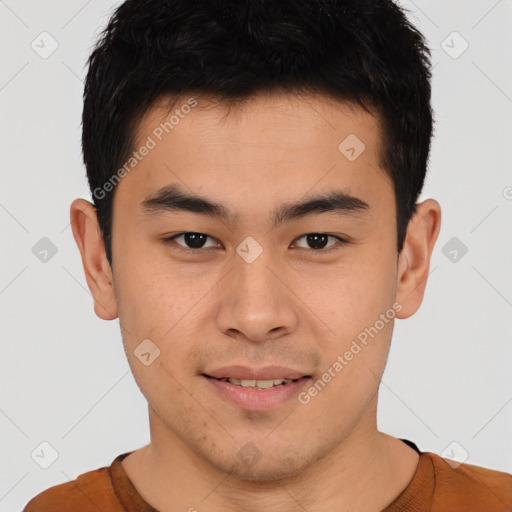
(258,399)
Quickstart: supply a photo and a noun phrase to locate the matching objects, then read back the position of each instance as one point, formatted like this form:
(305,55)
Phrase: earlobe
(414,260)
(98,274)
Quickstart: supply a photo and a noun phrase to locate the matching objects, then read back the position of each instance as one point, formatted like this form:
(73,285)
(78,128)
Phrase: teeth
(264,384)
(258,384)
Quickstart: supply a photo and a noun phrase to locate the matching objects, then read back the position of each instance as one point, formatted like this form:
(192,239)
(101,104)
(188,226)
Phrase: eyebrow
(172,199)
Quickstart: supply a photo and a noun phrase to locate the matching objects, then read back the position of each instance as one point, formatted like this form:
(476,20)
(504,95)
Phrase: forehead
(264,148)
(297,119)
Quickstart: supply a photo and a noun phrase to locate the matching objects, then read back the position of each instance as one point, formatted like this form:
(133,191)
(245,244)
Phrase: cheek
(351,371)
(149,299)
(354,297)
(156,314)
(359,311)
(166,391)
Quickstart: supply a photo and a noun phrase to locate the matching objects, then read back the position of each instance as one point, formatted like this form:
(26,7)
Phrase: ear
(98,274)
(414,259)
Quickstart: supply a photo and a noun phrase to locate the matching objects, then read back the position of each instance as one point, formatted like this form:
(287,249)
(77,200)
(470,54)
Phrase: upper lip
(264,373)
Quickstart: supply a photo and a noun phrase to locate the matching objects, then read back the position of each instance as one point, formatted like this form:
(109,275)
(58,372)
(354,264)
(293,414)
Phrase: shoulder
(467,485)
(91,491)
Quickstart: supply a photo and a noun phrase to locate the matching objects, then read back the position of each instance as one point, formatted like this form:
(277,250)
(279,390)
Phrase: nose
(256,303)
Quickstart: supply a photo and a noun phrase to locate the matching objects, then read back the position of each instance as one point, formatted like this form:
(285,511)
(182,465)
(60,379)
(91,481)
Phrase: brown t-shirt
(436,486)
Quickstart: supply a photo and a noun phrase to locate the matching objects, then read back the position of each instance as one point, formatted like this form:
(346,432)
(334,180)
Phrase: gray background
(63,372)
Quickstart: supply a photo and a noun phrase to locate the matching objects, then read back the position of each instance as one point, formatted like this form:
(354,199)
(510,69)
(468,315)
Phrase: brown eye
(318,241)
(192,241)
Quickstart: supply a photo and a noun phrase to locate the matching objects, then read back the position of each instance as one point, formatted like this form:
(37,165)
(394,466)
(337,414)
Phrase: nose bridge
(254,255)
(255,281)
(255,302)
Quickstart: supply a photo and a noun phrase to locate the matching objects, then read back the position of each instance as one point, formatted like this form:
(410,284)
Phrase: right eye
(193,241)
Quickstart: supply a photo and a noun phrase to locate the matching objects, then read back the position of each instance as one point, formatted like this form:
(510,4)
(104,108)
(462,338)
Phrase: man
(255,167)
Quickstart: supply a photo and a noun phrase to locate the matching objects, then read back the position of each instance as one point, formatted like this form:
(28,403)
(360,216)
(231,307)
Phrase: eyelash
(335,247)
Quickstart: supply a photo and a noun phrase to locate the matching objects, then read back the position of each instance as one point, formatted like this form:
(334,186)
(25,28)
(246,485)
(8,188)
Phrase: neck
(366,471)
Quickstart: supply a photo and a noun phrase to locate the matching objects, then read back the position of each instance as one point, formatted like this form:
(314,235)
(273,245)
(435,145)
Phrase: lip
(256,399)
(264,373)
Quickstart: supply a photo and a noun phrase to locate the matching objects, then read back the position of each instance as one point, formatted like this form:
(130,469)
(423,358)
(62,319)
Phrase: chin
(265,472)
(279,464)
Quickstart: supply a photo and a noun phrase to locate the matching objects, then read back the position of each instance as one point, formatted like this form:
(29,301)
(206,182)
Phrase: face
(252,282)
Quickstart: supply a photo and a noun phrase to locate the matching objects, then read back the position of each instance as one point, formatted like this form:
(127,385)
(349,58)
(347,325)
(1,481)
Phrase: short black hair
(365,52)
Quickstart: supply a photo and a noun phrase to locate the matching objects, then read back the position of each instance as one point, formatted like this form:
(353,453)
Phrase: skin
(289,307)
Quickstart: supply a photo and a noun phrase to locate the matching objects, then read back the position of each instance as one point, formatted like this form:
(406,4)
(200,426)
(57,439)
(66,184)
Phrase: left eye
(319,240)
(195,241)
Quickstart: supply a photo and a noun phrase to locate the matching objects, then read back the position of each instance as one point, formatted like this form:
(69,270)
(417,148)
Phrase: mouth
(257,384)
(256,394)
